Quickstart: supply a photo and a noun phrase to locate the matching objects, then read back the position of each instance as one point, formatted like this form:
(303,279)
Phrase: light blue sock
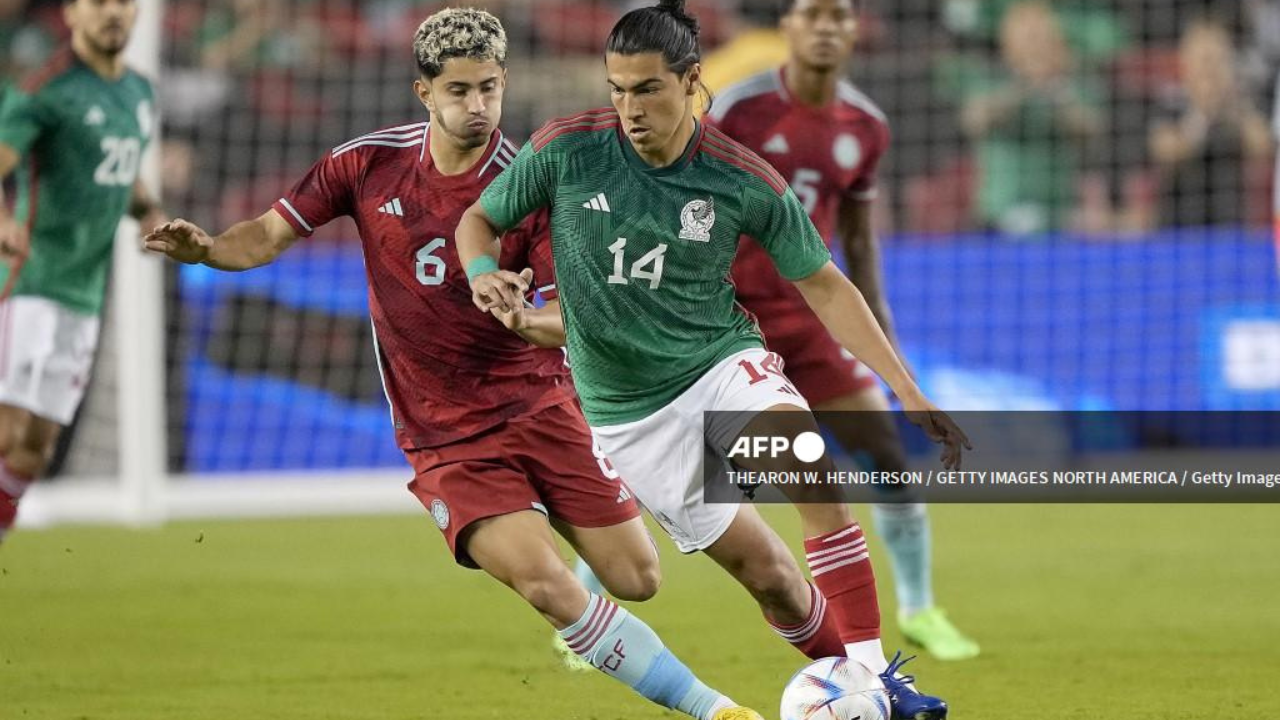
(588,577)
(621,646)
(904,527)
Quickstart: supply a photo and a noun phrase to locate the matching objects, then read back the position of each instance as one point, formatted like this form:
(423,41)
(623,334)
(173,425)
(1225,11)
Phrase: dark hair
(663,28)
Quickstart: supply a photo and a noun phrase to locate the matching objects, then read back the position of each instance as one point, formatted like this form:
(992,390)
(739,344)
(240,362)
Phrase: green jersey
(81,138)
(642,254)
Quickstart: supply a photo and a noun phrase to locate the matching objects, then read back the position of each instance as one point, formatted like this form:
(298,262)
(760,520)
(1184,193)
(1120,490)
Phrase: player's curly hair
(458,33)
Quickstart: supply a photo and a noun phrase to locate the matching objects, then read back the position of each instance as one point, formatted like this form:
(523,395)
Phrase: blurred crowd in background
(1100,117)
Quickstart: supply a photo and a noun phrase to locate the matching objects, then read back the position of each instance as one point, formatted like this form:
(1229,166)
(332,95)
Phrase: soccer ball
(835,688)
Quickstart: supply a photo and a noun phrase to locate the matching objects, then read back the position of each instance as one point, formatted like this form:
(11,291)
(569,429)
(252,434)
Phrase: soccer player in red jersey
(488,421)
(826,139)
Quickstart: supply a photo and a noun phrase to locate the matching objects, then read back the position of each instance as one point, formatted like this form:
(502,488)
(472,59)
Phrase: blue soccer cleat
(907,703)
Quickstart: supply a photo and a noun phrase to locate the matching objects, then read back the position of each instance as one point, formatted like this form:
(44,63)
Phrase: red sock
(12,487)
(816,637)
(841,569)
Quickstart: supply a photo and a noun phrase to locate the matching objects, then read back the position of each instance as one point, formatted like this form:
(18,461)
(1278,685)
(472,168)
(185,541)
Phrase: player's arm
(14,242)
(479,242)
(524,187)
(538,326)
(243,246)
(845,313)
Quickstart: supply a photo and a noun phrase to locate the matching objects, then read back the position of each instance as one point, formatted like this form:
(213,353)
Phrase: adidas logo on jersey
(95,116)
(624,495)
(597,203)
(777,145)
(392,207)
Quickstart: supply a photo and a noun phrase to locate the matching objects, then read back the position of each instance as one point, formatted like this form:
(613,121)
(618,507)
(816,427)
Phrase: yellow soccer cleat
(737,713)
(571,661)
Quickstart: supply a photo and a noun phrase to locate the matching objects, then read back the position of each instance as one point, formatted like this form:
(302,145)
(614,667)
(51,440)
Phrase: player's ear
(693,79)
(422,89)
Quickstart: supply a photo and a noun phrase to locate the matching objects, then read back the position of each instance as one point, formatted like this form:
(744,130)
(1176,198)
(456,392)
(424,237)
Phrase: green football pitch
(1131,612)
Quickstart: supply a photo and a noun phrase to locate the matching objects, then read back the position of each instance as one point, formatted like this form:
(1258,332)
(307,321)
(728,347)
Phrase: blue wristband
(481,265)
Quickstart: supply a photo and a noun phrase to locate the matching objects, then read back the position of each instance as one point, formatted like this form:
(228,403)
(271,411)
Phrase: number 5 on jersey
(648,267)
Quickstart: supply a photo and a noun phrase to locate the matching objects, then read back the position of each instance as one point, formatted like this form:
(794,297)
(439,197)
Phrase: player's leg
(45,355)
(835,548)
(861,423)
(519,551)
(26,447)
(753,554)
(493,517)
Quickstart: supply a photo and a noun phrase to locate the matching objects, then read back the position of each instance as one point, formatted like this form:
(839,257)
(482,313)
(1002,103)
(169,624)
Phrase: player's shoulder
(734,157)
(58,69)
(574,131)
(746,95)
(409,140)
(858,104)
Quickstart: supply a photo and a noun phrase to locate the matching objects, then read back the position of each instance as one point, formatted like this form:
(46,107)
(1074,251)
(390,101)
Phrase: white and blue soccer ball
(835,688)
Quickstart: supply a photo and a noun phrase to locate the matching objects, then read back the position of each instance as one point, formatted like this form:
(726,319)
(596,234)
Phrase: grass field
(1131,612)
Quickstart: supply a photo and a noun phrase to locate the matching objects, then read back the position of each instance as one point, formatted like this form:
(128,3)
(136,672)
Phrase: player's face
(821,33)
(104,25)
(465,101)
(651,100)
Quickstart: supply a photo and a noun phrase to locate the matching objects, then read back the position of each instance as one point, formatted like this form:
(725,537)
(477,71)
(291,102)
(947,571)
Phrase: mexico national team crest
(696,220)
(440,512)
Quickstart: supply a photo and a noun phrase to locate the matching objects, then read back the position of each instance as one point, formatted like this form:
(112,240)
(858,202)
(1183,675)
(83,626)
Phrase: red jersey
(827,154)
(449,370)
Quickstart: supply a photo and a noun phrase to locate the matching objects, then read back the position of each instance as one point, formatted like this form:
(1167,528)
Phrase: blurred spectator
(1203,152)
(24,44)
(1031,127)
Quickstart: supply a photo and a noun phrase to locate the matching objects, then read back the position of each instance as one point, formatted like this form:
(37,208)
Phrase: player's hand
(502,290)
(181,240)
(513,320)
(15,242)
(940,428)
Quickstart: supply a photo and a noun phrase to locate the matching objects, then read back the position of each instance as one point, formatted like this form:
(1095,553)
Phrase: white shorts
(46,352)
(661,456)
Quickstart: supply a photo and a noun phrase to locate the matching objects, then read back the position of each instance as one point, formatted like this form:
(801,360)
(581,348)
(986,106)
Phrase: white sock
(869,653)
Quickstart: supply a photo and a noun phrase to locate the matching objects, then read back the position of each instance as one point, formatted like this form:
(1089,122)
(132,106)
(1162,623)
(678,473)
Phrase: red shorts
(545,461)
(815,363)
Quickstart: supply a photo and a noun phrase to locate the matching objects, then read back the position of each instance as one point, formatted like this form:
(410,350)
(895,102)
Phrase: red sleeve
(865,185)
(323,194)
(533,242)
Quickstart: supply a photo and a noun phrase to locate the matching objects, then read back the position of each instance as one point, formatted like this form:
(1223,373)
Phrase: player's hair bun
(676,9)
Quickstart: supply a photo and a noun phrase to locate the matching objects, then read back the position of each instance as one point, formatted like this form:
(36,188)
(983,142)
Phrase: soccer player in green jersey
(75,131)
(647,207)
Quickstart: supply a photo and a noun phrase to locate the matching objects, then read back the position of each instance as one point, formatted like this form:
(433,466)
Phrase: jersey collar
(690,150)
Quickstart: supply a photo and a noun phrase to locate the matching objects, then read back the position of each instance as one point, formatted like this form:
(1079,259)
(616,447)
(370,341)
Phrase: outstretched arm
(844,312)
(243,246)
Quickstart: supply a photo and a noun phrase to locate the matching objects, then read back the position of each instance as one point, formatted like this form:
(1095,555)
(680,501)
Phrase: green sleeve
(781,226)
(524,187)
(23,117)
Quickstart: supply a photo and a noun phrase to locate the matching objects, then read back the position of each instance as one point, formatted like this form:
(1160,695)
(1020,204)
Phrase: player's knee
(636,583)
(31,455)
(543,589)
